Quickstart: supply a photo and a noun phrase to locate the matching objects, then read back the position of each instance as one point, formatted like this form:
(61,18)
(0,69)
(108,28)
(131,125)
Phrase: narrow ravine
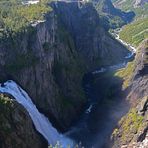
(98,121)
(103,113)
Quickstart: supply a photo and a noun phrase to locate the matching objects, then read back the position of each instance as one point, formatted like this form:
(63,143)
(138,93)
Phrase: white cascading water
(42,124)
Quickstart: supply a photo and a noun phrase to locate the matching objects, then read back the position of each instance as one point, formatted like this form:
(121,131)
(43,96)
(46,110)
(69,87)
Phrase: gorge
(66,81)
(42,124)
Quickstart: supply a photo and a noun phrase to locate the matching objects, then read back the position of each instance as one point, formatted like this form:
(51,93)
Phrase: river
(103,113)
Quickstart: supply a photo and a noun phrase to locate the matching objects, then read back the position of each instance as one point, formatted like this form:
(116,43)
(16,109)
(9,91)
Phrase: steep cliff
(140,78)
(48,59)
(132,130)
(16,128)
(94,45)
(43,60)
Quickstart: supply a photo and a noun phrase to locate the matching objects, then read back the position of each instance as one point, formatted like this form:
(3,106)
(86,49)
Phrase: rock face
(92,42)
(49,59)
(140,78)
(133,128)
(16,128)
(44,62)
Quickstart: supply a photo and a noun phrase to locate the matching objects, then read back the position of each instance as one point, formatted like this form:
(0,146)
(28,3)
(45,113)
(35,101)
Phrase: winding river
(102,114)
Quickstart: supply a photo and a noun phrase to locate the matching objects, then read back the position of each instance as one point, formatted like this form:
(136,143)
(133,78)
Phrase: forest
(15,17)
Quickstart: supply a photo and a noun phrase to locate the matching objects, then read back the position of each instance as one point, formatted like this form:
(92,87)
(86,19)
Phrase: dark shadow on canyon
(104,92)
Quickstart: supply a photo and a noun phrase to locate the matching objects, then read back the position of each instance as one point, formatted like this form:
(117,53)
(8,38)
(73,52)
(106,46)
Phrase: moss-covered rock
(126,74)
(130,127)
(16,128)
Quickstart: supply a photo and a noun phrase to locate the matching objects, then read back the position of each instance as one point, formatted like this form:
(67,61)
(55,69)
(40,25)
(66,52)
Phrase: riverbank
(115,33)
(106,109)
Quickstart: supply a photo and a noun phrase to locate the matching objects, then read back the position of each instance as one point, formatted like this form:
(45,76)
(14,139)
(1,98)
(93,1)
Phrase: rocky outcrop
(49,58)
(44,62)
(132,130)
(140,76)
(95,46)
(16,128)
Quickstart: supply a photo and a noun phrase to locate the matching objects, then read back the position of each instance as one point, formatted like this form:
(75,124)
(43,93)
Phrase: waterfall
(41,123)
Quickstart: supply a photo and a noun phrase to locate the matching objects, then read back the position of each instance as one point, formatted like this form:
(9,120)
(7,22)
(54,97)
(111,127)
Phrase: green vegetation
(5,107)
(129,125)
(126,74)
(16,22)
(4,100)
(135,32)
(15,17)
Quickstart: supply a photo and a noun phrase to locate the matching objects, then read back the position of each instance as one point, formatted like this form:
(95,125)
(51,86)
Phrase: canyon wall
(49,58)
(132,130)
(16,128)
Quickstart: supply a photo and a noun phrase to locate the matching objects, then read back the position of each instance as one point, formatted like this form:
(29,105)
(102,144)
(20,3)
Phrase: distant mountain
(133,3)
(136,32)
(112,17)
(140,7)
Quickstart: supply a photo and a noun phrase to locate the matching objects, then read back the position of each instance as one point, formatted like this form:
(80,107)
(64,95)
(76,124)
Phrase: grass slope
(135,32)
(15,17)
